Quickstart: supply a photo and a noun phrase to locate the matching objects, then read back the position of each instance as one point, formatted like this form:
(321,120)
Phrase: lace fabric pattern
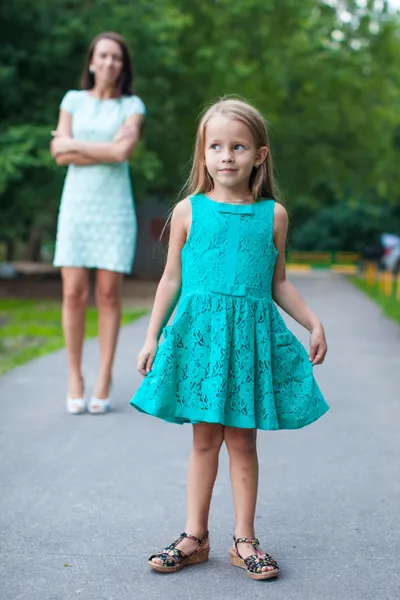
(97,225)
(228,356)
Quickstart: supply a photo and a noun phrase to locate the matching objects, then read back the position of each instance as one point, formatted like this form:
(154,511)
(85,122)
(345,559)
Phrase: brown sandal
(255,563)
(174,560)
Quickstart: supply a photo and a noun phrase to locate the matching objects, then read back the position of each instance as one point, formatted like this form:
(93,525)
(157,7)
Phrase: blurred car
(390,258)
(385,250)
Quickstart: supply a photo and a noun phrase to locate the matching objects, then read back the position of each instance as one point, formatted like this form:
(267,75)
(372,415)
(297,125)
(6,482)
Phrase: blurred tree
(325,76)
(349,226)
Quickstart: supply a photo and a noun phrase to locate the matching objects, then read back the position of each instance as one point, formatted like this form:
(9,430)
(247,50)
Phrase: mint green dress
(97,225)
(228,356)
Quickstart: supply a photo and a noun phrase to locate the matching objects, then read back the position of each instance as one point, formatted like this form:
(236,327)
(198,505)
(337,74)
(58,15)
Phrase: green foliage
(30,329)
(347,226)
(328,82)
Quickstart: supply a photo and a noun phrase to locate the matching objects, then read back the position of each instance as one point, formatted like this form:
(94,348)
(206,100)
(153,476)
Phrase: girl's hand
(318,347)
(61,144)
(146,357)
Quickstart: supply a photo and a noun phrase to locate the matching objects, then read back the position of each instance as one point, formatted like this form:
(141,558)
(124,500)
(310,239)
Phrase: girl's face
(107,61)
(230,151)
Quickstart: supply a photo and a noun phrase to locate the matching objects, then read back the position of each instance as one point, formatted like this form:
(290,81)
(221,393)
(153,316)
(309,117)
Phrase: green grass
(389,304)
(31,328)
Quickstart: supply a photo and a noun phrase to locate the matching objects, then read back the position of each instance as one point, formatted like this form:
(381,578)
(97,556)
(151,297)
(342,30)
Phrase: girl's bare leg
(203,468)
(242,449)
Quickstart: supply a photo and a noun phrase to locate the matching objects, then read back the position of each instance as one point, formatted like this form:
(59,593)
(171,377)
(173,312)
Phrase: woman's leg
(203,467)
(242,449)
(75,296)
(108,298)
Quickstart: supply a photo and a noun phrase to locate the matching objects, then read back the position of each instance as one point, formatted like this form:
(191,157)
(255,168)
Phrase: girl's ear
(261,156)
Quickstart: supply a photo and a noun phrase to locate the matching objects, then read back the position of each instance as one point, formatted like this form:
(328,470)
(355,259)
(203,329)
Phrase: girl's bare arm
(286,295)
(168,290)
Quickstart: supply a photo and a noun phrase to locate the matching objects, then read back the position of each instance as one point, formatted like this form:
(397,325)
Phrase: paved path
(84,500)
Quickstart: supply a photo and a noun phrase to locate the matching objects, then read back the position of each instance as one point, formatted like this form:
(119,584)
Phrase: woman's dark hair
(124,84)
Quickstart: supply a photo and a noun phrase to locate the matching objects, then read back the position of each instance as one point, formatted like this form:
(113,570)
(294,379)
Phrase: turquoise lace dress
(228,356)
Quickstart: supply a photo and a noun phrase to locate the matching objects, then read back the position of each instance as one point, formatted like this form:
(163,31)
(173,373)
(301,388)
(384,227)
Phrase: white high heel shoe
(76,406)
(99,406)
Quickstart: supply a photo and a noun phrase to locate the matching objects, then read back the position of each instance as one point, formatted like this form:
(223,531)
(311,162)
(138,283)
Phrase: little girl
(228,364)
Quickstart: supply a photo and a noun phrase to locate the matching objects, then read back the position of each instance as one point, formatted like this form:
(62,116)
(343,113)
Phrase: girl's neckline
(102,99)
(233,203)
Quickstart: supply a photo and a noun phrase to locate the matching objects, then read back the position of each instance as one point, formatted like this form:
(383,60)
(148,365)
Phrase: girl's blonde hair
(261,184)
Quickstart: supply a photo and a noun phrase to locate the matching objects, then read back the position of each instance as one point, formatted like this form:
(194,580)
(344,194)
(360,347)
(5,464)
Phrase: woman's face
(107,61)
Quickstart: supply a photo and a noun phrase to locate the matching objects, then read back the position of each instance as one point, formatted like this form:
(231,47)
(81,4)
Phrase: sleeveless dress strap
(268,211)
(195,201)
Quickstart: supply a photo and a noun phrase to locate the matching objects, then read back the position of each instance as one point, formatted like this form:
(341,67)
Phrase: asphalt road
(84,500)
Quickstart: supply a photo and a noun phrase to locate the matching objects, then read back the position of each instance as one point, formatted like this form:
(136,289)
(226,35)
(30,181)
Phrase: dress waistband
(227,290)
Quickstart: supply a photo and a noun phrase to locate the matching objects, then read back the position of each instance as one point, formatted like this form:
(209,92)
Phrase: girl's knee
(240,440)
(207,437)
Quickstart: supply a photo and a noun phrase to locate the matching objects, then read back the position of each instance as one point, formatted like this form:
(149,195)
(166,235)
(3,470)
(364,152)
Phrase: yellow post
(388,283)
(370,273)
(381,280)
(382,277)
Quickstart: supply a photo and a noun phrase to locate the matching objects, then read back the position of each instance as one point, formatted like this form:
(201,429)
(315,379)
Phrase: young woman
(97,130)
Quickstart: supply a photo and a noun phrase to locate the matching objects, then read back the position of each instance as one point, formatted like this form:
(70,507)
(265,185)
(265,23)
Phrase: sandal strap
(172,556)
(193,538)
(243,540)
(255,563)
